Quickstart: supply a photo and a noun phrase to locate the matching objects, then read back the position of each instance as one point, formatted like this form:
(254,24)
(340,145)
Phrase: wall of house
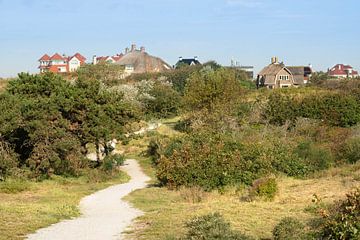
(74,64)
(280,82)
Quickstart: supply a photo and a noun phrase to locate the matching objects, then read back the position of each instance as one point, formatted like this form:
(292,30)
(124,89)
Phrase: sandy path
(104,215)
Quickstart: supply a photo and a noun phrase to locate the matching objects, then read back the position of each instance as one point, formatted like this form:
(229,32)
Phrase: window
(284,77)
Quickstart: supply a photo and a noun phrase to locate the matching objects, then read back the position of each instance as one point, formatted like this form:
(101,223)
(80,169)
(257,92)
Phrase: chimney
(142,49)
(180,58)
(339,66)
(133,47)
(94,60)
(126,50)
(196,58)
(274,60)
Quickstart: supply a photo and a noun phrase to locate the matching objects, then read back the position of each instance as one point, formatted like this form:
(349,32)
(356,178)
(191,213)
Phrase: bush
(112,161)
(289,229)
(14,186)
(335,109)
(8,161)
(350,151)
(265,188)
(343,221)
(208,160)
(164,101)
(211,227)
(316,157)
(214,160)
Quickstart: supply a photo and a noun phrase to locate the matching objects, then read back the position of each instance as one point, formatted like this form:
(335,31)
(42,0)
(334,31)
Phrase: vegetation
(289,229)
(48,122)
(230,144)
(27,206)
(211,227)
(343,219)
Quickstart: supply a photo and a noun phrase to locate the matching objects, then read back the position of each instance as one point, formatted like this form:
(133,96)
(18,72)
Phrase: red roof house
(61,64)
(343,71)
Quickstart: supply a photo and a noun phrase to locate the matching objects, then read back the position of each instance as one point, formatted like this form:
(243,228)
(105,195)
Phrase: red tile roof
(57,56)
(342,70)
(80,57)
(45,58)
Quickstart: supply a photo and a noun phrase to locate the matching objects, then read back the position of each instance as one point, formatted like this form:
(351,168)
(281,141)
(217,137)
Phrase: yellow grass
(167,211)
(44,203)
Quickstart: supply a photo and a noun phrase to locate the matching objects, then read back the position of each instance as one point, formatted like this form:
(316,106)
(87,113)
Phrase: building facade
(342,71)
(61,64)
(275,75)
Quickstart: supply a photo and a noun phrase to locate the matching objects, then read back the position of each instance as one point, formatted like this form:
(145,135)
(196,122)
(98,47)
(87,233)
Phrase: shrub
(211,227)
(183,126)
(316,157)
(350,151)
(265,188)
(335,109)
(208,160)
(289,229)
(112,161)
(14,186)
(343,221)
(8,160)
(193,194)
(164,101)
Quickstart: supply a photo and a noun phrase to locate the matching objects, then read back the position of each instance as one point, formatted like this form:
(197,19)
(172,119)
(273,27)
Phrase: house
(61,64)
(301,74)
(108,59)
(187,62)
(342,71)
(275,75)
(139,61)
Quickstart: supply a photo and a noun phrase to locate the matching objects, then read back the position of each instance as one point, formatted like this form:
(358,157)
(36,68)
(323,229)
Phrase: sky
(299,32)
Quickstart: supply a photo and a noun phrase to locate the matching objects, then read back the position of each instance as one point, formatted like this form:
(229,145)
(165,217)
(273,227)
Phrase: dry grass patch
(44,203)
(167,211)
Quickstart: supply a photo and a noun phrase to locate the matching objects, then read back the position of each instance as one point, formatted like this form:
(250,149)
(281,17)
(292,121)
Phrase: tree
(51,120)
(165,101)
(109,74)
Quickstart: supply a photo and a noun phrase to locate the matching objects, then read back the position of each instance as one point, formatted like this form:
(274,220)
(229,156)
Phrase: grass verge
(28,206)
(166,211)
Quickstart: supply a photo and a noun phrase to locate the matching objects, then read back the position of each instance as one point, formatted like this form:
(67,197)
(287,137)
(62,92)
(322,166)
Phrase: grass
(28,206)
(166,211)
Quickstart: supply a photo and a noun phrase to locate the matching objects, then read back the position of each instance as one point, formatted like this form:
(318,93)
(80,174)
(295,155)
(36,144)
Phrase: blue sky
(320,32)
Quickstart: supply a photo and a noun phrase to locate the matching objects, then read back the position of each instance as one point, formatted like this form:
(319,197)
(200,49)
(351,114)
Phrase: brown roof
(143,62)
(269,72)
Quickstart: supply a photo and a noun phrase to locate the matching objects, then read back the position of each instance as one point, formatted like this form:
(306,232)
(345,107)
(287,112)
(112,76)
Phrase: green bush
(14,186)
(165,101)
(211,227)
(315,157)
(110,162)
(289,229)
(343,221)
(183,126)
(335,109)
(208,160)
(8,160)
(214,160)
(265,188)
(351,150)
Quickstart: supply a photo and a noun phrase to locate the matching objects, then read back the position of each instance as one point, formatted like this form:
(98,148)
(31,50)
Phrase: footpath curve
(104,215)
